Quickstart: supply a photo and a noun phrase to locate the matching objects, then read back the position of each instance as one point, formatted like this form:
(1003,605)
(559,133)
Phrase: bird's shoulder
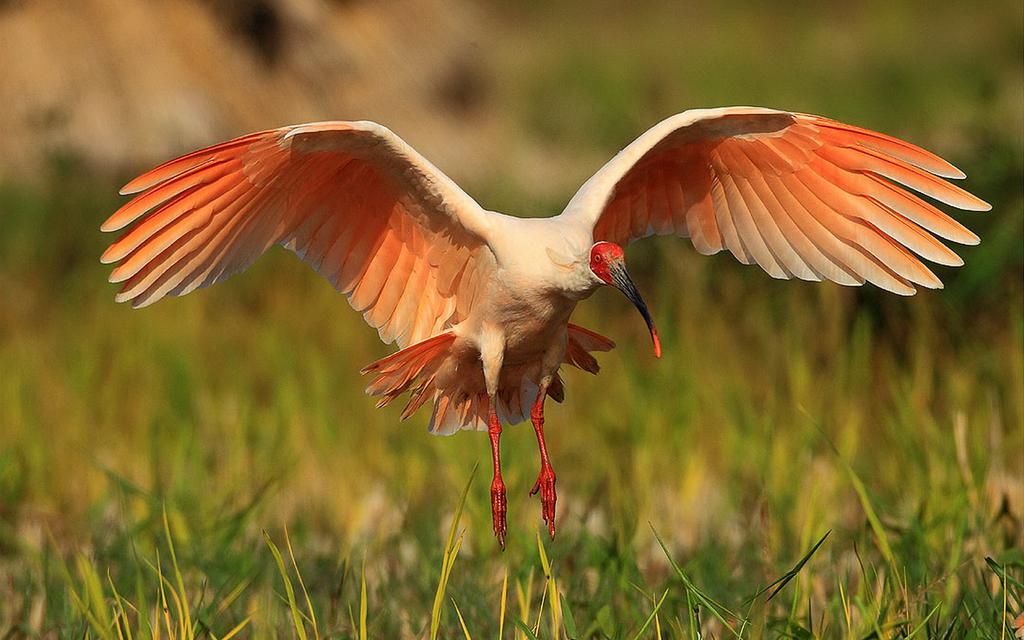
(541,256)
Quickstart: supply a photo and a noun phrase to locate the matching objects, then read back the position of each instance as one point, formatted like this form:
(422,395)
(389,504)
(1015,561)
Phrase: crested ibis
(478,301)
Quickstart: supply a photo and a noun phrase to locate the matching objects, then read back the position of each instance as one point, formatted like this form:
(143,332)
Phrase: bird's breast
(530,317)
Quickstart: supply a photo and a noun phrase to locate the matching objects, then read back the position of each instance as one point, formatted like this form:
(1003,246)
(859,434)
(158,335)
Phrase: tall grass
(144,454)
(780,410)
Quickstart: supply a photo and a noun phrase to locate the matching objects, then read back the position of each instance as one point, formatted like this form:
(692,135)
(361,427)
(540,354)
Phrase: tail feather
(415,368)
(581,342)
(424,351)
(418,397)
(397,372)
(471,411)
(589,340)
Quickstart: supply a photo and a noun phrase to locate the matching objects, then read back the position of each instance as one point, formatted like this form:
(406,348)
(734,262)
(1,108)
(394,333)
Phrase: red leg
(499,505)
(546,478)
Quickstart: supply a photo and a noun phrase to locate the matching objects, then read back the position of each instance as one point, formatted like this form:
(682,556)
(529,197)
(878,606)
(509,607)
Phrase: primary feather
(354,201)
(800,195)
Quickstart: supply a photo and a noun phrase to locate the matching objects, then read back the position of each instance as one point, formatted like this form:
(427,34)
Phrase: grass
(806,461)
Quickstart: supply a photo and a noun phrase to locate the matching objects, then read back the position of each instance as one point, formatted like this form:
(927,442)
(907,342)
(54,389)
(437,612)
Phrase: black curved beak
(622,282)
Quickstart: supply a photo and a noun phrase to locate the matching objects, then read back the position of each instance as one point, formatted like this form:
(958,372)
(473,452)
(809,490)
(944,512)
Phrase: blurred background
(781,411)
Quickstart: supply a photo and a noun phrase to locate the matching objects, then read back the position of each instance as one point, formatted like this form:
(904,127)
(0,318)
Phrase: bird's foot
(546,486)
(499,506)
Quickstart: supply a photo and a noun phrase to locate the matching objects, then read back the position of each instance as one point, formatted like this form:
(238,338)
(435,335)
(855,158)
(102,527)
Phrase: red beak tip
(657,346)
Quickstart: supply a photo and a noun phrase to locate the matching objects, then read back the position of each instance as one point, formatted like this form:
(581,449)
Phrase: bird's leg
(546,478)
(499,505)
(492,353)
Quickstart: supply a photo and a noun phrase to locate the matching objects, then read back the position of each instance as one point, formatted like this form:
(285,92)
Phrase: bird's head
(608,264)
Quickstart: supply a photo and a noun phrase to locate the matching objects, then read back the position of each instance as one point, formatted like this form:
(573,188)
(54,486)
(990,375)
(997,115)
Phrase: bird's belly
(530,339)
(532,326)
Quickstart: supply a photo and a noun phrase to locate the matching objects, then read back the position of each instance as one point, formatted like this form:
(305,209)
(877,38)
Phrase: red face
(609,264)
(603,256)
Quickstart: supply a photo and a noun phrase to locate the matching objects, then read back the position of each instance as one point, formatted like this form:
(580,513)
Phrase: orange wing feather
(800,195)
(351,199)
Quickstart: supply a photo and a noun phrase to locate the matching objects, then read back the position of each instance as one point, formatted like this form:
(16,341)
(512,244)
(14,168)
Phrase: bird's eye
(597,258)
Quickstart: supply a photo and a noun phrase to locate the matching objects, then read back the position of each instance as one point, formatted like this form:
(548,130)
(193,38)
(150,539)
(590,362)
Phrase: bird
(479,302)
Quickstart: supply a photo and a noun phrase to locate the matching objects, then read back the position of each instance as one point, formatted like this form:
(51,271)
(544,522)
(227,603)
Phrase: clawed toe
(545,485)
(499,508)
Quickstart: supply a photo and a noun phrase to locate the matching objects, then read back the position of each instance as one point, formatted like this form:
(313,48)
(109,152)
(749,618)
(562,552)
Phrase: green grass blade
(362,601)
(691,617)
(83,601)
(503,608)
(552,588)
(568,620)
(650,618)
(780,583)
(121,617)
(924,622)
(299,626)
(302,585)
(451,550)
(237,628)
(95,596)
(186,619)
(162,596)
(881,538)
(1004,577)
(233,595)
(527,631)
(524,598)
(462,621)
(717,609)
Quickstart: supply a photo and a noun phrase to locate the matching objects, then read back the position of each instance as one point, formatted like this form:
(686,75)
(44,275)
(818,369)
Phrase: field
(806,461)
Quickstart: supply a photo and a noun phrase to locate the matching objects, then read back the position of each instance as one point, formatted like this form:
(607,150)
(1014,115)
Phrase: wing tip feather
(982,205)
(953,173)
(110,224)
(907,291)
(142,182)
(107,257)
(970,202)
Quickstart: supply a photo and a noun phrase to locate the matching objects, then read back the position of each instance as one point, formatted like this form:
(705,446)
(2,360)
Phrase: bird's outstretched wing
(801,195)
(352,199)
